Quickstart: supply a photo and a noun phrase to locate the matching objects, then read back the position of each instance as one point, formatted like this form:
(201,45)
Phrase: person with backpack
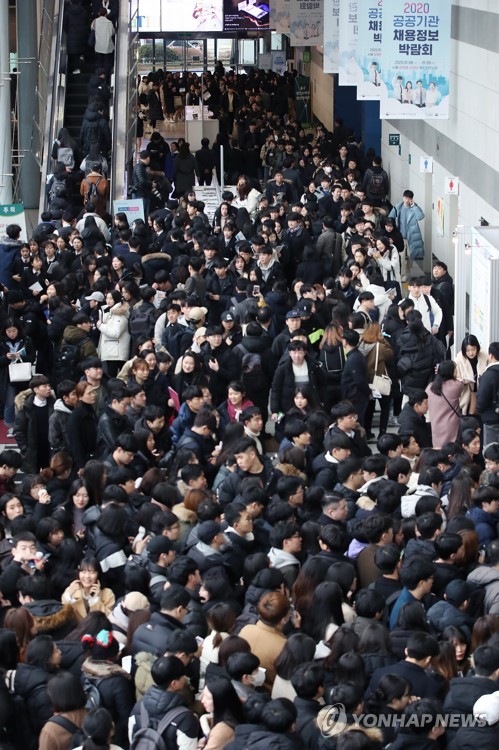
(161,719)
(106,684)
(94,188)
(429,308)
(68,701)
(143,315)
(376,183)
(65,149)
(76,345)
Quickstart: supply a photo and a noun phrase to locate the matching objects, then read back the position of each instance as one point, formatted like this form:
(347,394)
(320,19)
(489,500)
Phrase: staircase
(77,98)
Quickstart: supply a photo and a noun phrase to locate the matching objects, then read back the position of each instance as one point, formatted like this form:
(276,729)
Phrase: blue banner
(416,59)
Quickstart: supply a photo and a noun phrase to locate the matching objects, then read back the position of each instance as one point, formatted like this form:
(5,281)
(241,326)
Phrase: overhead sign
(426,164)
(331,35)
(452,185)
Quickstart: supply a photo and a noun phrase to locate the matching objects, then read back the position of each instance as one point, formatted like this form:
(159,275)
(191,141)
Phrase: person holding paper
(34,281)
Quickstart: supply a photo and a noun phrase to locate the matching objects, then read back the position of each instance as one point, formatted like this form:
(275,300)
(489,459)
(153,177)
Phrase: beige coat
(104,603)
(467,402)
(267,643)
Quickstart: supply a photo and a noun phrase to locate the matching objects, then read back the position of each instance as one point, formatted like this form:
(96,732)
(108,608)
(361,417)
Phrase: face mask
(259,677)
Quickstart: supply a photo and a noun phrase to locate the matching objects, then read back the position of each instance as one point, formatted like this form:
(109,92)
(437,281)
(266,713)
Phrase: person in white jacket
(430,310)
(387,257)
(114,342)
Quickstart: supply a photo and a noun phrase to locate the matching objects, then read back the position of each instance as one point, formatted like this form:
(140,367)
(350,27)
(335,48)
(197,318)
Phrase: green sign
(307,55)
(393,139)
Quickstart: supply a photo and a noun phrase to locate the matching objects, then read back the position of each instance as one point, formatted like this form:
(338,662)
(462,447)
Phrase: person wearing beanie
(101,671)
(354,378)
(484,731)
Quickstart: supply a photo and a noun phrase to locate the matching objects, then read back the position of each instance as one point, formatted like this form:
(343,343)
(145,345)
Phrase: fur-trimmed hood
(103,669)
(50,615)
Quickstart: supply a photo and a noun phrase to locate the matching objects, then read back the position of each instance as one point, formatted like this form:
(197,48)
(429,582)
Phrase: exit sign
(394,139)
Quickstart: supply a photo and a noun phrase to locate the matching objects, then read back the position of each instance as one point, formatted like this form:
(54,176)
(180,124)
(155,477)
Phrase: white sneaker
(76,72)
(10,433)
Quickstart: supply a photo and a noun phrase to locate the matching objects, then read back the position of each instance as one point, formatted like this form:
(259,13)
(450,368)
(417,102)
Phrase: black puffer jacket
(283,384)
(30,683)
(417,360)
(117,693)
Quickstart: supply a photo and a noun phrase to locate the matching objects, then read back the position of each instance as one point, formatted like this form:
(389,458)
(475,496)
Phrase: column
(5,126)
(29,171)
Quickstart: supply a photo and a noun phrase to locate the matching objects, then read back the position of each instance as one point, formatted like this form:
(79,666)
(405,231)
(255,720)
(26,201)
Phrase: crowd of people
(205,541)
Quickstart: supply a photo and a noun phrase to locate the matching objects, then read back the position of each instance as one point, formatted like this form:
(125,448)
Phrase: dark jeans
(385,411)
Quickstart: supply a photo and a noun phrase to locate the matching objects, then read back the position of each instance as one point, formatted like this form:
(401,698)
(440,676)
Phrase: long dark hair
(470,340)
(325,609)
(446,371)
(226,704)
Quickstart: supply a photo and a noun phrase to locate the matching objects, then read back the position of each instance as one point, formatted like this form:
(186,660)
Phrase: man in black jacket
(308,682)
(153,635)
(141,181)
(487,396)
(355,378)
(113,422)
(412,419)
(249,464)
(205,162)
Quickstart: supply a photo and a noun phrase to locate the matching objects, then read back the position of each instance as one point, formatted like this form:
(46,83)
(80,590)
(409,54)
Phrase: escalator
(76,100)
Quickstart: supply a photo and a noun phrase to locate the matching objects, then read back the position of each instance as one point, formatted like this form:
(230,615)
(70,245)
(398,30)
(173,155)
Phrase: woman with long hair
(246,196)
(114,342)
(460,495)
(221,619)
(378,354)
(15,347)
(324,614)
(332,358)
(387,257)
(298,649)
(184,170)
(82,425)
(471,363)
(223,713)
(21,621)
(443,401)
(312,573)
(77,503)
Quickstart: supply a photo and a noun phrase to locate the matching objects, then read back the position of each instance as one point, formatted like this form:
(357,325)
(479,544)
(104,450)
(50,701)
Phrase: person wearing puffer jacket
(114,342)
(419,354)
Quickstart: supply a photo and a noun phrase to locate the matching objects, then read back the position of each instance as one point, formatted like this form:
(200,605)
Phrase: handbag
(381,383)
(19,372)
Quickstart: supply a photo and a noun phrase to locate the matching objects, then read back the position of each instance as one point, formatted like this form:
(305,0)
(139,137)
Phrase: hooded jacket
(488,578)
(58,427)
(114,342)
(463,694)
(78,337)
(268,477)
(287,563)
(52,618)
(116,691)
(485,524)
(183,734)
(417,360)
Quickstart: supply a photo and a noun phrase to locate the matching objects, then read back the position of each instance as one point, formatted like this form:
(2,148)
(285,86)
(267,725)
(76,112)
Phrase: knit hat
(102,647)
(487,708)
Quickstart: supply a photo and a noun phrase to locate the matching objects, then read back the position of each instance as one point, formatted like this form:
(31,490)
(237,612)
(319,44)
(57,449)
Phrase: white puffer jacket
(114,342)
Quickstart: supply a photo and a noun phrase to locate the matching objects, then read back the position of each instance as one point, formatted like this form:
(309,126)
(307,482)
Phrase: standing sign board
(13,213)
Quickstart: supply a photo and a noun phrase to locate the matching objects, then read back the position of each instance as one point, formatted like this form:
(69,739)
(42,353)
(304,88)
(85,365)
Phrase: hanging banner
(132,207)
(13,213)
(305,22)
(302,90)
(281,15)
(279,64)
(369,52)
(331,25)
(416,59)
(349,73)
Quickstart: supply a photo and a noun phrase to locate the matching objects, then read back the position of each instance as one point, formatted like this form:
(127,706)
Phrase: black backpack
(91,136)
(93,191)
(57,188)
(141,321)
(66,360)
(150,738)
(77,736)
(252,373)
(376,186)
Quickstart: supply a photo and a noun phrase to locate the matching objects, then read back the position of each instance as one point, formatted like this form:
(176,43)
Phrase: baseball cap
(207,530)
(293,314)
(96,296)
(456,592)
(133,601)
(487,708)
(196,313)
(227,316)
(159,545)
(304,307)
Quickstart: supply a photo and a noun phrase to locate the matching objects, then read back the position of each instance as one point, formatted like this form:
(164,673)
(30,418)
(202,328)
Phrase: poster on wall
(305,22)
(279,64)
(302,91)
(13,213)
(280,16)
(416,59)
(369,52)
(440,217)
(349,72)
(331,27)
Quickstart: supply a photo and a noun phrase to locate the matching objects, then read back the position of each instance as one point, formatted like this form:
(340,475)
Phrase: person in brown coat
(68,703)
(377,352)
(87,190)
(265,637)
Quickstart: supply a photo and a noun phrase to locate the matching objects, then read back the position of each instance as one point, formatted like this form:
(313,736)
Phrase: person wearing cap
(120,615)
(95,177)
(160,554)
(196,319)
(280,342)
(166,694)
(93,374)
(297,369)
(484,731)
(232,332)
(354,377)
(451,610)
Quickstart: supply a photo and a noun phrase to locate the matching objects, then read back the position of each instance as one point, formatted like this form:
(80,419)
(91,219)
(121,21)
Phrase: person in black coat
(298,369)
(77,26)
(82,426)
(412,419)
(205,162)
(354,377)
(153,636)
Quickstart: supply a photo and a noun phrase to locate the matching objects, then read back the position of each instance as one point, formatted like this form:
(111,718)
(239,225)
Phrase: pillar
(29,171)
